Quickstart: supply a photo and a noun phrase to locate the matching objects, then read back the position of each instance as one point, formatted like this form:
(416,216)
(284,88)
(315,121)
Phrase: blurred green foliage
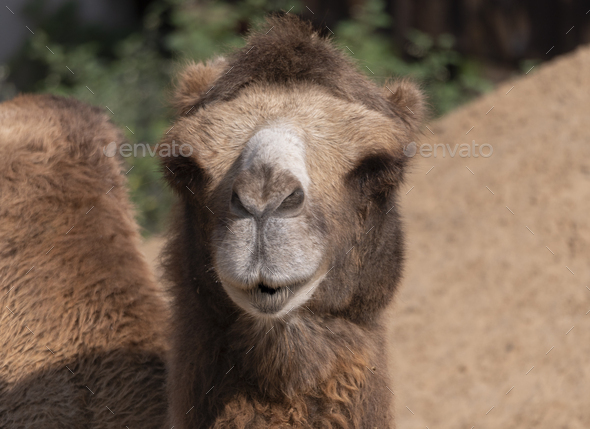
(448,78)
(132,72)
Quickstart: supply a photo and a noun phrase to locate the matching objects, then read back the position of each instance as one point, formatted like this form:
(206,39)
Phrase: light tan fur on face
(336,133)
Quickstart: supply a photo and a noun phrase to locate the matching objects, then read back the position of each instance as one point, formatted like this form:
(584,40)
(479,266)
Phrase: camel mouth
(269,290)
(269,300)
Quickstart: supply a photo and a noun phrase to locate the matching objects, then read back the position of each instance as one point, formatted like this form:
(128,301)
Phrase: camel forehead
(327,133)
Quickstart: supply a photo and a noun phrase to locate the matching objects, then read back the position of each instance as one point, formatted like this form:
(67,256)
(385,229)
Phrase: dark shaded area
(500,31)
(82,389)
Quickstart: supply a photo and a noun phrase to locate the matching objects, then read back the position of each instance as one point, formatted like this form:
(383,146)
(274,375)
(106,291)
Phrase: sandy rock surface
(498,262)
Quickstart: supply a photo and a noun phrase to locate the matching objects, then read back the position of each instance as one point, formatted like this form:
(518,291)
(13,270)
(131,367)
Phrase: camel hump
(60,127)
(72,276)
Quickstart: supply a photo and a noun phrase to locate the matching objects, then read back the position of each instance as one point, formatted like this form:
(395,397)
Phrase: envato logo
(464,150)
(164,150)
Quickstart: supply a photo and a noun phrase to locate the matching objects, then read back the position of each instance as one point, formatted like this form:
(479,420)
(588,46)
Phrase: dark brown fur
(80,316)
(325,366)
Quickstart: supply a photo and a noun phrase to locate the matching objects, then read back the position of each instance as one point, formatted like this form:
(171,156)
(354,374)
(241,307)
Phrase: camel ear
(409,102)
(194,81)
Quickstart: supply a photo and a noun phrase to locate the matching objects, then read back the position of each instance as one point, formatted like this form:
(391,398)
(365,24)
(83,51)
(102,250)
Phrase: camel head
(295,160)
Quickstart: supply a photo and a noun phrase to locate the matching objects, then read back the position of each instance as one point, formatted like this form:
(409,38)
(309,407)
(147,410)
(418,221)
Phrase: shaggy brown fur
(324,364)
(80,317)
(290,53)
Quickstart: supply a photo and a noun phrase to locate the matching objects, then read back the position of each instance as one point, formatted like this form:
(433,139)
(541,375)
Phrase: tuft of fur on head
(286,51)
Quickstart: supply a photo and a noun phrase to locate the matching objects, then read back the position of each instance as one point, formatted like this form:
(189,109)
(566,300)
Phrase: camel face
(280,174)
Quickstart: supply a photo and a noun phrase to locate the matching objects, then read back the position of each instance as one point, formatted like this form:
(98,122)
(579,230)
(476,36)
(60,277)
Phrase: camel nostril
(261,199)
(237,207)
(293,203)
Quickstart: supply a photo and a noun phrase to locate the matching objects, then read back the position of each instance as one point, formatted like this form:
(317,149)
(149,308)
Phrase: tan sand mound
(484,299)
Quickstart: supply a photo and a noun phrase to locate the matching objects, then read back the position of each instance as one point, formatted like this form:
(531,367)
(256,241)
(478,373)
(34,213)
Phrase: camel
(286,245)
(81,340)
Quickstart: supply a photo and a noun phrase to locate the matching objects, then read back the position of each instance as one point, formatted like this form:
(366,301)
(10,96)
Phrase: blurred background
(124,54)
(491,327)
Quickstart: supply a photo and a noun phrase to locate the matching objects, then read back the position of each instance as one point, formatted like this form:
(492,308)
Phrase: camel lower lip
(269,300)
